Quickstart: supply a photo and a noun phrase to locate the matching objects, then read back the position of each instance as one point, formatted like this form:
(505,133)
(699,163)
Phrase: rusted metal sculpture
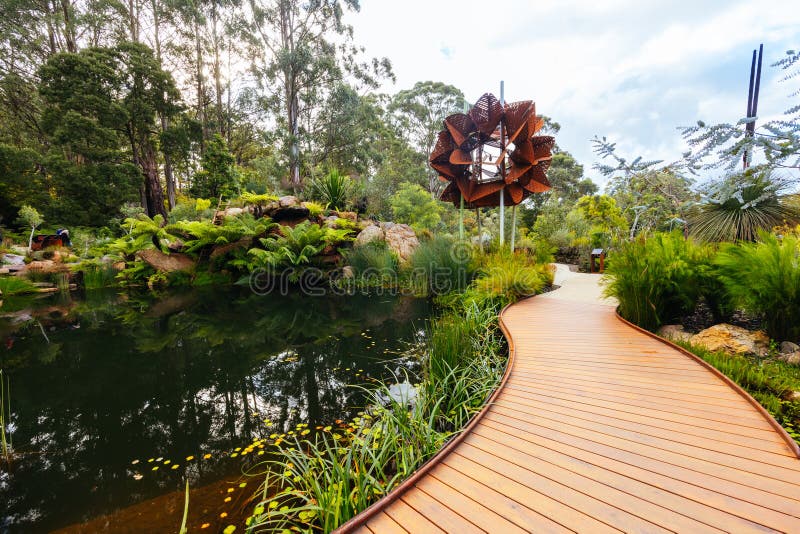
(493,151)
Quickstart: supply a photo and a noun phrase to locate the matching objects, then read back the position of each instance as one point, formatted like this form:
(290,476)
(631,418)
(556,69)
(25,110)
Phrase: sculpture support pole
(513,226)
(461,220)
(503,163)
(480,230)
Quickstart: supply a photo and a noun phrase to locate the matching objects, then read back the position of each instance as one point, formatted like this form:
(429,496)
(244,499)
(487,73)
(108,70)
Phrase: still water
(103,382)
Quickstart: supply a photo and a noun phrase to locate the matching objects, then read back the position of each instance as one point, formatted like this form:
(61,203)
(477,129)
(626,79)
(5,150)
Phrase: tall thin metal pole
(513,226)
(502,192)
(461,220)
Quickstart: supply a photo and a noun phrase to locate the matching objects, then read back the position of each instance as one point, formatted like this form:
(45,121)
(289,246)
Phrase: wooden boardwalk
(598,427)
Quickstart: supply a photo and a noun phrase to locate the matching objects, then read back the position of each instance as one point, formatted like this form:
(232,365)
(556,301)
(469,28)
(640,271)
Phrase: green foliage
(188,209)
(654,279)
(14,285)
(201,236)
(31,218)
(441,265)
(22,183)
(505,277)
(254,199)
(97,274)
(413,205)
(327,481)
(333,189)
(102,103)
(605,217)
(373,261)
(315,209)
(771,383)
(296,247)
(653,200)
(764,278)
(218,177)
(741,206)
(419,113)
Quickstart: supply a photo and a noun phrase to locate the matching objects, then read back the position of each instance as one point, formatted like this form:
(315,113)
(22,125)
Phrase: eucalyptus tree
(299,51)
(419,112)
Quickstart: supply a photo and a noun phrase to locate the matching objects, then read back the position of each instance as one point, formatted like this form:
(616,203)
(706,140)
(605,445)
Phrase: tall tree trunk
(69,27)
(292,102)
(133,20)
(201,101)
(168,174)
(152,185)
(217,72)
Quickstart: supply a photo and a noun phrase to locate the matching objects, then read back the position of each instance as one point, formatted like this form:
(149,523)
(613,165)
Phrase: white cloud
(630,70)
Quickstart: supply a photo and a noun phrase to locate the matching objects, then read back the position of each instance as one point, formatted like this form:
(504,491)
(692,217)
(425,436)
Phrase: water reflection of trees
(127,377)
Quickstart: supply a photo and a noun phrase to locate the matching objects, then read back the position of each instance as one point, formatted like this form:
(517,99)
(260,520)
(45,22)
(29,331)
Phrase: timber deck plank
(601,428)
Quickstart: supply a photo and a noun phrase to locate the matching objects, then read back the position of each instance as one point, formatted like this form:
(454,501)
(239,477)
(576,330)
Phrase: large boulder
(674,332)
(401,239)
(12,259)
(732,339)
(166,262)
(287,209)
(368,235)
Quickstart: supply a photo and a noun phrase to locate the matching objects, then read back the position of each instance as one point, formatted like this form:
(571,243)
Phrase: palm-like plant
(333,189)
(744,204)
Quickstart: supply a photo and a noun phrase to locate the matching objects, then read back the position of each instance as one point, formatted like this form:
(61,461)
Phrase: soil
(702,318)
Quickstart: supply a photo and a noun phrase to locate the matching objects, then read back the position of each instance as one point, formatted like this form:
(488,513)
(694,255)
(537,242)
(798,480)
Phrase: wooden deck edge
(790,442)
(377,507)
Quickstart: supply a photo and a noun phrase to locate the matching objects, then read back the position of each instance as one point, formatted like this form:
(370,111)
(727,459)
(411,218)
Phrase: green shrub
(413,205)
(97,274)
(333,189)
(441,265)
(373,260)
(14,285)
(764,279)
(654,279)
(505,277)
(297,247)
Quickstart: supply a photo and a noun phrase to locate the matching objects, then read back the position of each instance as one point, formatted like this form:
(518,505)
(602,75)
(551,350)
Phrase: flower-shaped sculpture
(493,150)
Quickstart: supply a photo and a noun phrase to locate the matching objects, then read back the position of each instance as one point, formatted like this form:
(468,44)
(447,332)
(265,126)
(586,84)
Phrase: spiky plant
(333,189)
(742,205)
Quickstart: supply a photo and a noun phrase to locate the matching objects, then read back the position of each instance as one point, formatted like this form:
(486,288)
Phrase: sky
(629,70)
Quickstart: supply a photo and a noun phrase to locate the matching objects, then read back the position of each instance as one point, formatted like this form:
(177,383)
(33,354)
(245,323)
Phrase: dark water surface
(102,380)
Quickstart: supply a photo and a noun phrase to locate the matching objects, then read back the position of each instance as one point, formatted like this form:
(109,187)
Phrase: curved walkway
(601,428)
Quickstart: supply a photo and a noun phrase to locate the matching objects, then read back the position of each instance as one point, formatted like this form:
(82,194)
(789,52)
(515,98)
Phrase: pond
(103,382)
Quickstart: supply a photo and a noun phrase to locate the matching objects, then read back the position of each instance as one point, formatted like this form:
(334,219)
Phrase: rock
(41,265)
(347,272)
(289,201)
(166,262)
(330,221)
(12,259)
(221,250)
(287,209)
(368,235)
(402,240)
(787,347)
(674,332)
(732,339)
(792,357)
